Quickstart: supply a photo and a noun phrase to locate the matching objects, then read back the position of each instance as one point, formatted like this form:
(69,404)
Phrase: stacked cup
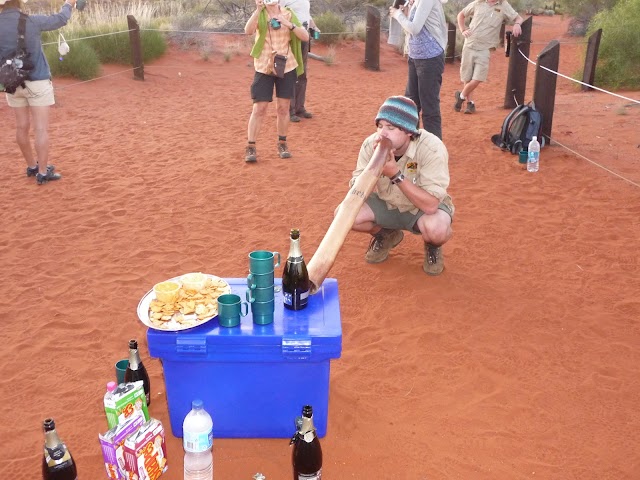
(260,283)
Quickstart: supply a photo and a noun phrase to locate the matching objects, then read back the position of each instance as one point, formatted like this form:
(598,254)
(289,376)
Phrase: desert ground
(520,361)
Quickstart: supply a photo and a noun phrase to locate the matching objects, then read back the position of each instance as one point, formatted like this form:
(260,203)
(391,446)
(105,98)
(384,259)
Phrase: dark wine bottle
(136,371)
(57,462)
(307,453)
(295,278)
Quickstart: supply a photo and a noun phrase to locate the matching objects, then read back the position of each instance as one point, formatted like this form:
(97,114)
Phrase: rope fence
(554,140)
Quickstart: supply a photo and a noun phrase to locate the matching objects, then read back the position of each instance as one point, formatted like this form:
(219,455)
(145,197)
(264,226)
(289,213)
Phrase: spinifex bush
(619,53)
(331,26)
(81,62)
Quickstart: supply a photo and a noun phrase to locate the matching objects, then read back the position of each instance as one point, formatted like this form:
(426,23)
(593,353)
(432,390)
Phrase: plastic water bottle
(533,162)
(197,440)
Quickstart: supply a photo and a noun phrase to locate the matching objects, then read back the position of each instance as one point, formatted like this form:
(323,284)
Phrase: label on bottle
(197,442)
(295,298)
(309,436)
(310,476)
(58,460)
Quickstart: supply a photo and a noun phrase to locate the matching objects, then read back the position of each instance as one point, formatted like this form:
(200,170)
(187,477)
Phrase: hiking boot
(471,108)
(459,101)
(31,172)
(294,118)
(283,151)
(48,177)
(381,243)
(433,260)
(305,114)
(250,154)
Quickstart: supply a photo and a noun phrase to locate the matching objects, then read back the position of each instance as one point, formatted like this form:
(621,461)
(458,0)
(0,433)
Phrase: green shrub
(331,26)
(81,62)
(619,54)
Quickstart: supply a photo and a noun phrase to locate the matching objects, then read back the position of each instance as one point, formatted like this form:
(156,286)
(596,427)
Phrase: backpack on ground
(14,69)
(521,125)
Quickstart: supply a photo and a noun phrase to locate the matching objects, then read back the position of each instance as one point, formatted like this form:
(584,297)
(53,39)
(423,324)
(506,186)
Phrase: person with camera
(32,100)
(277,54)
(302,9)
(480,38)
(426,25)
(411,193)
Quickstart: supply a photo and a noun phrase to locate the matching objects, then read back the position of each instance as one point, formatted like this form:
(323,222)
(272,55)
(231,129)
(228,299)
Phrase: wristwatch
(397,178)
(292,27)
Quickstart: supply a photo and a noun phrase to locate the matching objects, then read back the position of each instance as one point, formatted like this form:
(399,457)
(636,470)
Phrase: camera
(275,24)
(399,3)
(313,33)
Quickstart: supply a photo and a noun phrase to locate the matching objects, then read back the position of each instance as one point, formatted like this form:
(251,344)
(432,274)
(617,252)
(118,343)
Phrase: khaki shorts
(38,93)
(475,65)
(396,220)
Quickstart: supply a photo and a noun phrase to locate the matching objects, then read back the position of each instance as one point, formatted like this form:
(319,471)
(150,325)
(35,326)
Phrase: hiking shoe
(305,114)
(49,176)
(31,172)
(471,108)
(459,101)
(381,243)
(433,260)
(250,154)
(294,118)
(283,151)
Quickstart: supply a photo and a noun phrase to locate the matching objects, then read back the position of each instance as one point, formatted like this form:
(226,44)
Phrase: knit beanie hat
(401,112)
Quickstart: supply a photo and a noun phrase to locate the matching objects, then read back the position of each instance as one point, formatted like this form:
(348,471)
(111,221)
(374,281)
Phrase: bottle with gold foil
(57,463)
(307,453)
(136,370)
(295,278)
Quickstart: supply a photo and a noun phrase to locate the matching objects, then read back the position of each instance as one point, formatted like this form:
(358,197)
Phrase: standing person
(302,9)
(32,101)
(427,28)
(411,194)
(276,30)
(480,38)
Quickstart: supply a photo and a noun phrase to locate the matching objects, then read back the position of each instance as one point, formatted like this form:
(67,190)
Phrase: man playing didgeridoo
(411,193)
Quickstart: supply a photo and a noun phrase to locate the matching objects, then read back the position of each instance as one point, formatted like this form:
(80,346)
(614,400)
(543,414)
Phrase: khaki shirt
(425,163)
(486,22)
(277,40)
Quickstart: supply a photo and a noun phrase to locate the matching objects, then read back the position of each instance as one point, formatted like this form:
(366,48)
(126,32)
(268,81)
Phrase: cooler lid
(314,333)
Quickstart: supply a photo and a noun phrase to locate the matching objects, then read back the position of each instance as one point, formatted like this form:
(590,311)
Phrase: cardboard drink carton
(126,401)
(112,443)
(145,453)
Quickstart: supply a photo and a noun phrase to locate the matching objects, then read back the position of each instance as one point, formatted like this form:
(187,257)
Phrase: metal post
(589,73)
(451,43)
(544,88)
(136,48)
(517,72)
(372,42)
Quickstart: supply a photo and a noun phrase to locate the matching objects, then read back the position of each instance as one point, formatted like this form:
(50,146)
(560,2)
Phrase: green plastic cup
(263,261)
(230,309)
(121,368)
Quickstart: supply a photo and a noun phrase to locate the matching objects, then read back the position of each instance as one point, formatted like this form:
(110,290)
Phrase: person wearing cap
(276,30)
(412,193)
(480,38)
(426,25)
(31,102)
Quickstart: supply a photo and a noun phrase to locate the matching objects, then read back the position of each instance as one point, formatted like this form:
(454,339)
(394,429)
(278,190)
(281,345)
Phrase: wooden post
(502,28)
(544,88)
(517,72)
(136,48)
(589,73)
(451,43)
(372,42)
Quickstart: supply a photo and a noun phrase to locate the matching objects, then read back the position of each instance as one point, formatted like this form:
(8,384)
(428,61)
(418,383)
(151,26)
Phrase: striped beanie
(401,112)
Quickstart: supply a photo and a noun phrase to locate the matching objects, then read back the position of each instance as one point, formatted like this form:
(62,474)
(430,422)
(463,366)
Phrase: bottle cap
(196,404)
(295,233)
(133,344)
(49,424)
(534,138)
(111,386)
(307,411)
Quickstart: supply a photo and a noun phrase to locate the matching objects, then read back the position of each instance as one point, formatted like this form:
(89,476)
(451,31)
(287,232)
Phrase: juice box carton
(145,452)
(112,443)
(126,401)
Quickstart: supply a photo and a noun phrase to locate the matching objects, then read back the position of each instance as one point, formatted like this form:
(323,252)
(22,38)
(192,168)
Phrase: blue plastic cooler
(254,379)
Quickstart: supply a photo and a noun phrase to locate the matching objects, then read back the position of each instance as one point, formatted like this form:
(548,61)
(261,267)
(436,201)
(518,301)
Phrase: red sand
(520,361)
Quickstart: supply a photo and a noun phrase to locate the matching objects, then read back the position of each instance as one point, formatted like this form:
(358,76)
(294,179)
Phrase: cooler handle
(296,348)
(192,345)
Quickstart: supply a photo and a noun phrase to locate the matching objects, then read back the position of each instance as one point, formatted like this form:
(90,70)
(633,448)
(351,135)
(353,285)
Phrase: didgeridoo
(323,259)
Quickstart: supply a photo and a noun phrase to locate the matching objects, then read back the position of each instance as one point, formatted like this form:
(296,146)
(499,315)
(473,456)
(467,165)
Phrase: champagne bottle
(57,462)
(136,371)
(307,453)
(295,278)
